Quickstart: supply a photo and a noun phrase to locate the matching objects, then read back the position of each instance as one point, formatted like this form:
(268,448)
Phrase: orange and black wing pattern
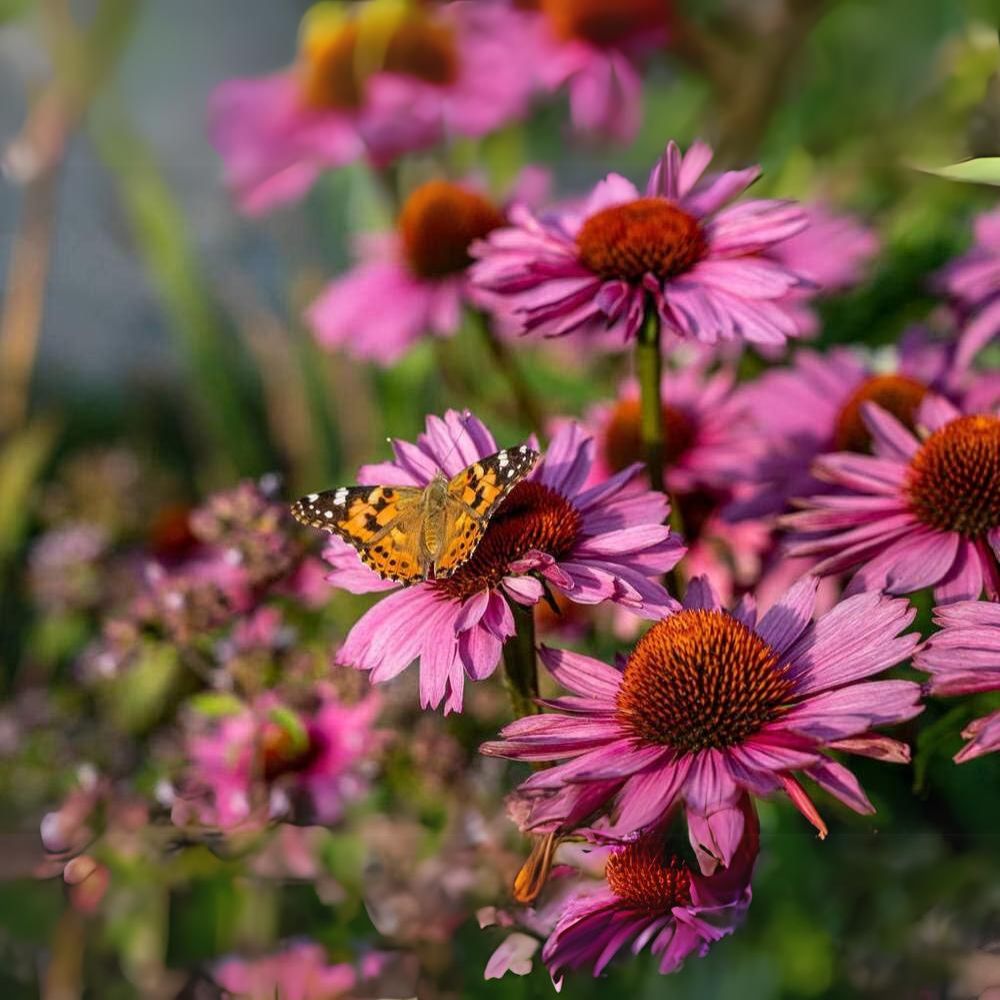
(382,522)
(473,496)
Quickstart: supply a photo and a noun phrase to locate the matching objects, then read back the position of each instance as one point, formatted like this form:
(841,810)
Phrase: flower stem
(520,663)
(528,405)
(649,368)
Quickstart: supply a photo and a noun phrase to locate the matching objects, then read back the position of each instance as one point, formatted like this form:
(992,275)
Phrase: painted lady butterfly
(408,534)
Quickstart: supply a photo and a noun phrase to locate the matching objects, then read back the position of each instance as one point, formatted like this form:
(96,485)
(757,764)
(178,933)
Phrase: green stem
(528,405)
(520,663)
(649,368)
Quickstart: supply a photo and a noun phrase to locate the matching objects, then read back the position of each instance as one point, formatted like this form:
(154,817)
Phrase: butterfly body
(412,533)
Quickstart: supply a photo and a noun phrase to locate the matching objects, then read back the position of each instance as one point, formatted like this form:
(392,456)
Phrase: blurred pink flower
(380,81)
(711,704)
(796,413)
(252,762)
(416,275)
(973,283)
(299,972)
(594,51)
(832,252)
(964,658)
(606,543)
(922,511)
(703,266)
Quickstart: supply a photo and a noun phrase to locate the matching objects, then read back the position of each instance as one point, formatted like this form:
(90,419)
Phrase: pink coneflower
(964,658)
(593,49)
(920,512)
(797,413)
(380,81)
(711,703)
(973,283)
(703,266)
(653,898)
(606,543)
(417,276)
(260,760)
(706,449)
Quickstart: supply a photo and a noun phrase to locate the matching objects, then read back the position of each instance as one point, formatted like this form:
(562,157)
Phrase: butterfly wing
(382,522)
(473,497)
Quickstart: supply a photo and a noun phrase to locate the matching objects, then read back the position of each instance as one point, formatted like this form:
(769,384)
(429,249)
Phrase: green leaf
(983,170)
(216,704)
(292,725)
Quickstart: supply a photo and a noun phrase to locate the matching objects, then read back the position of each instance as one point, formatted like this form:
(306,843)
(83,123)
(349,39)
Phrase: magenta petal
(923,560)
(710,783)
(715,836)
(582,674)
(701,595)
(841,783)
(790,615)
(649,795)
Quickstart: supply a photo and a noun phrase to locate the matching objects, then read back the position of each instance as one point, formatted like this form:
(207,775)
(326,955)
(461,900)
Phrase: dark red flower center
(439,222)
(339,57)
(899,394)
(645,236)
(645,876)
(701,679)
(623,439)
(953,483)
(603,22)
(283,751)
(532,517)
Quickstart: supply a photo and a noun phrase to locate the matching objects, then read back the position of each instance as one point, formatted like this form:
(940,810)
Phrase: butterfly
(409,533)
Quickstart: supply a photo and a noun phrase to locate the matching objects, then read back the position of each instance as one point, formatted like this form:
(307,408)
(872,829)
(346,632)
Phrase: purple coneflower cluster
(745,521)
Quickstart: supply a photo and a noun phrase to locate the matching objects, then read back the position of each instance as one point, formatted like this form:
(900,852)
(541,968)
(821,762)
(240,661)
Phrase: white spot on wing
(313,497)
(340,497)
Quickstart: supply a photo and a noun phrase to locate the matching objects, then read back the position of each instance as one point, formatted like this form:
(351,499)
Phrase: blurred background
(151,352)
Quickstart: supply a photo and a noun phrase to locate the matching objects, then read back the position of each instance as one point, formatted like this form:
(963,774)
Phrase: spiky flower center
(532,517)
(602,23)
(439,222)
(701,679)
(899,394)
(645,876)
(953,482)
(283,751)
(646,236)
(622,443)
(338,56)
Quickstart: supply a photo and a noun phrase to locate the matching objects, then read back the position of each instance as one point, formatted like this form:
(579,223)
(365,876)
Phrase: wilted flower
(704,267)
(259,760)
(594,49)
(710,704)
(919,512)
(606,543)
(973,282)
(379,81)
(964,658)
